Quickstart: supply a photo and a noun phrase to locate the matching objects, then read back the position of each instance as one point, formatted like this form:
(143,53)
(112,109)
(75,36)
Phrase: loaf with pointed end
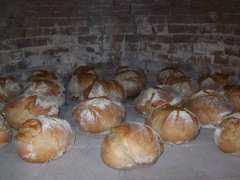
(131,145)
(43,139)
(210,107)
(151,98)
(27,107)
(175,125)
(98,115)
(227,135)
(131,79)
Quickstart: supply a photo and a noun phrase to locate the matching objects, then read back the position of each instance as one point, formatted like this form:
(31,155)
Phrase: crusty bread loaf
(43,138)
(210,107)
(232,92)
(9,88)
(98,115)
(27,107)
(131,79)
(174,124)
(130,145)
(168,74)
(227,135)
(81,82)
(5,132)
(214,81)
(107,88)
(151,98)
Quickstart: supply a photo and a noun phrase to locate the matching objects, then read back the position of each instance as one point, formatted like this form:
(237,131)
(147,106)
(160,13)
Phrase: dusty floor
(199,160)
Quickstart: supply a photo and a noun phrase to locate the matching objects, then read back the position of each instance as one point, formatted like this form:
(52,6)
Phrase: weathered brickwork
(75,31)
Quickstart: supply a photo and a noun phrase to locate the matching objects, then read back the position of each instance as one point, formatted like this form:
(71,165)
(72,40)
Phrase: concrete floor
(199,160)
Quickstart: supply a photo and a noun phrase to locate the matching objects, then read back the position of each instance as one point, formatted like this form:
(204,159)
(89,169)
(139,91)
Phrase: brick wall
(69,32)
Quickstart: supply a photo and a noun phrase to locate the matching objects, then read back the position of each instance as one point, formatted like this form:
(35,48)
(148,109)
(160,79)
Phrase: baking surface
(198,160)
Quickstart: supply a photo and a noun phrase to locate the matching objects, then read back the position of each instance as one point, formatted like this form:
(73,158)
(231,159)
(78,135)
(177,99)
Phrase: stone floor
(199,160)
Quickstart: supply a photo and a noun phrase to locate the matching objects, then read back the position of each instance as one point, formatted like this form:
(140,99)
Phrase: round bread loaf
(47,88)
(41,74)
(168,74)
(175,125)
(107,88)
(5,132)
(151,98)
(132,80)
(227,135)
(232,92)
(81,82)
(27,107)
(130,145)
(210,107)
(214,81)
(98,115)
(43,138)
(9,88)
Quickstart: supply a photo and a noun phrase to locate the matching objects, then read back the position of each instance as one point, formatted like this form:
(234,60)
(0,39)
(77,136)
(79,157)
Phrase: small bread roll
(130,145)
(227,135)
(98,115)
(27,107)
(47,88)
(151,98)
(107,88)
(81,82)
(214,81)
(174,124)
(43,138)
(5,132)
(233,94)
(9,88)
(210,107)
(168,74)
(131,79)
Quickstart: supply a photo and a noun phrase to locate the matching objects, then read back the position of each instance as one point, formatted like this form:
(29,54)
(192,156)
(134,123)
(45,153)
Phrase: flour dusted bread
(130,145)
(151,98)
(9,88)
(210,107)
(168,74)
(227,135)
(175,125)
(107,88)
(98,115)
(27,107)
(214,81)
(43,138)
(49,88)
(5,132)
(232,92)
(131,79)
(81,82)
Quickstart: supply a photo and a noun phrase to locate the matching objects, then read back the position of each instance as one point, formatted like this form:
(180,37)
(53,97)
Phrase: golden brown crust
(130,145)
(98,115)
(107,88)
(210,107)
(151,98)
(214,81)
(227,136)
(43,139)
(43,75)
(174,125)
(233,94)
(168,74)
(19,110)
(132,80)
